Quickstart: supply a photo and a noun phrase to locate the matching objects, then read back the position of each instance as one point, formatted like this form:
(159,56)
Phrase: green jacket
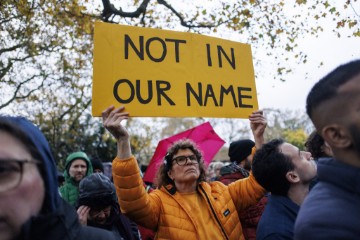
(70,190)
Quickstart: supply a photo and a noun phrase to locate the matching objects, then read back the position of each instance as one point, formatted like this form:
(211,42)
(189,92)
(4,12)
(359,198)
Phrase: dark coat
(97,192)
(61,225)
(278,219)
(332,209)
(250,216)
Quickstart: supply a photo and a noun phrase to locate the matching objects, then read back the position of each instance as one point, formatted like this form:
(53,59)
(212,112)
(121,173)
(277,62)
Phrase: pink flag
(203,135)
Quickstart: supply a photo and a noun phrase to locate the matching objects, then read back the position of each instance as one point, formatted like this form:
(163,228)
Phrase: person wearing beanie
(30,206)
(98,207)
(241,153)
(77,166)
(97,165)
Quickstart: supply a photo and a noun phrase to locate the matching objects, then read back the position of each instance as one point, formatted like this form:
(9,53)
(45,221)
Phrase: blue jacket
(332,208)
(278,219)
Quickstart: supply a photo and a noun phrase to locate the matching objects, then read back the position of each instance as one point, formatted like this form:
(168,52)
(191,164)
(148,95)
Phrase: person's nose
(308,156)
(101,215)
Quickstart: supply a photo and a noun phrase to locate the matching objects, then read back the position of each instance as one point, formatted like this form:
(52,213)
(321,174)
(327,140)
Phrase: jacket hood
(72,157)
(48,166)
(339,174)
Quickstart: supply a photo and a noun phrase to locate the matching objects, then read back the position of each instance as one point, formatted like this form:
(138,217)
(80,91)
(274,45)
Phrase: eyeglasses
(96,212)
(11,172)
(182,160)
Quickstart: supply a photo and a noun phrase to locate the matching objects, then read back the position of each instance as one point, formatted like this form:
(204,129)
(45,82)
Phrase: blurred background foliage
(46,62)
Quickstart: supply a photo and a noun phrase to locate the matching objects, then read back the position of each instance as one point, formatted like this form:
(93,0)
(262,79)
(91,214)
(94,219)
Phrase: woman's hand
(258,124)
(112,118)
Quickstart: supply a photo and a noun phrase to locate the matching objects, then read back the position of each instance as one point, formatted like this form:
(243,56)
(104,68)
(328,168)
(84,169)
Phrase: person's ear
(169,173)
(336,136)
(327,149)
(292,177)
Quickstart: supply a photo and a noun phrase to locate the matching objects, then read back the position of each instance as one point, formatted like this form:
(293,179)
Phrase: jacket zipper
(213,211)
(184,209)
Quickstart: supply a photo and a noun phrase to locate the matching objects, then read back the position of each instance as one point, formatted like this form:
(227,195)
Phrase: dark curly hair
(314,145)
(162,174)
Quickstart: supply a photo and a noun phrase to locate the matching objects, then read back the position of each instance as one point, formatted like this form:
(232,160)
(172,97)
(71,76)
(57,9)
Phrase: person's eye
(181,159)
(8,167)
(192,157)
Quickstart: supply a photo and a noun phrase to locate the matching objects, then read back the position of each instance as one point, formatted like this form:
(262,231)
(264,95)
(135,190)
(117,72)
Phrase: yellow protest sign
(160,73)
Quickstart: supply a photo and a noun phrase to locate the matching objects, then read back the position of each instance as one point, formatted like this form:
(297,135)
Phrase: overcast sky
(292,93)
(327,48)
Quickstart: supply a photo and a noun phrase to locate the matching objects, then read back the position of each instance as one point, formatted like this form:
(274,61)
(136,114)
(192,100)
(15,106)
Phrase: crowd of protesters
(269,190)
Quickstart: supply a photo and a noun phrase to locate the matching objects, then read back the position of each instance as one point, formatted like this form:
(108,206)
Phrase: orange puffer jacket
(164,210)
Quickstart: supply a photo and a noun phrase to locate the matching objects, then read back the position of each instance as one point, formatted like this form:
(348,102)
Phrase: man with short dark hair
(286,172)
(332,209)
(77,167)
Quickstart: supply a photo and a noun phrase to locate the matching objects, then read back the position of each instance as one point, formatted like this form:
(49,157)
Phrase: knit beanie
(96,191)
(240,149)
(97,164)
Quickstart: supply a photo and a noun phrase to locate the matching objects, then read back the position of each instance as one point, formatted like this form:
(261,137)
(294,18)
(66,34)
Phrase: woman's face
(18,204)
(189,172)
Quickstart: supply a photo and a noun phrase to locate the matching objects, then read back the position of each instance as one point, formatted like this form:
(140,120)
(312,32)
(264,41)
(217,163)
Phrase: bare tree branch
(111,11)
(5,70)
(354,9)
(6,20)
(12,48)
(182,21)
(15,94)
(72,106)
(79,114)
